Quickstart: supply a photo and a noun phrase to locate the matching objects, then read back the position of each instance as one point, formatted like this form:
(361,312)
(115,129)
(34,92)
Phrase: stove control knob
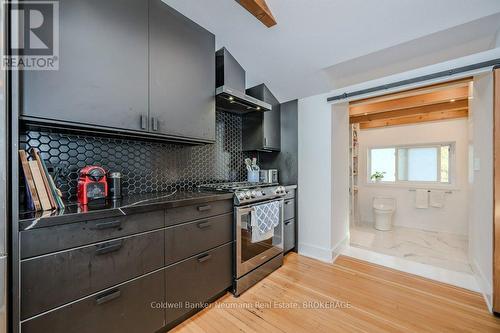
(241,196)
(253,194)
(248,195)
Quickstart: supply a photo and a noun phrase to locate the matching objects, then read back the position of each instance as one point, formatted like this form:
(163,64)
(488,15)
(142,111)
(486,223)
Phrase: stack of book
(41,191)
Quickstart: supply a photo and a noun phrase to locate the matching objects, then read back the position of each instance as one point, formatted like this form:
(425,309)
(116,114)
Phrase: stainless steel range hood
(230,82)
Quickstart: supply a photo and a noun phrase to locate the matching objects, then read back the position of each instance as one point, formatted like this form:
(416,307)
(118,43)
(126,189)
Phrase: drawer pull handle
(109,297)
(108,225)
(107,248)
(287,222)
(204,225)
(205,258)
(204,208)
(288,202)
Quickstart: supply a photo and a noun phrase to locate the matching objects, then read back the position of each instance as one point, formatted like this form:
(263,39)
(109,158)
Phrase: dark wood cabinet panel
(197,280)
(130,307)
(289,209)
(103,67)
(289,240)
(262,130)
(203,210)
(93,267)
(41,241)
(188,239)
(182,75)
(127,65)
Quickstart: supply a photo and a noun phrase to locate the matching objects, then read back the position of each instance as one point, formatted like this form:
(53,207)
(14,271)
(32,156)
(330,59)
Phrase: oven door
(250,252)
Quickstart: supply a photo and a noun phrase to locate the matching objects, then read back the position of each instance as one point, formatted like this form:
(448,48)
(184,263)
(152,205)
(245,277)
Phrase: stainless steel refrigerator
(3,180)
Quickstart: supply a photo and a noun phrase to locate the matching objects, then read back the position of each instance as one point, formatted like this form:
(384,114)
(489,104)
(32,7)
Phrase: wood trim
(446,106)
(415,91)
(496,192)
(260,10)
(456,94)
(433,116)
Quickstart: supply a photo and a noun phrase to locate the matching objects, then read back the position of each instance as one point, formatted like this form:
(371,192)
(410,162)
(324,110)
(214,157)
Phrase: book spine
(30,184)
(44,173)
(40,186)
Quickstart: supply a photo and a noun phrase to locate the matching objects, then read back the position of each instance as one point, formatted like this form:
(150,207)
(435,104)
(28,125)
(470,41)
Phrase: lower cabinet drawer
(61,237)
(185,240)
(190,213)
(197,280)
(289,209)
(54,280)
(289,241)
(131,307)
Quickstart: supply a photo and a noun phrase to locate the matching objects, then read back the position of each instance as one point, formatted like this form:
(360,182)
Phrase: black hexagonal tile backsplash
(146,166)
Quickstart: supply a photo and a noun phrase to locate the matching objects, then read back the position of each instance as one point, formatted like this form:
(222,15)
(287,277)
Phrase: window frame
(398,182)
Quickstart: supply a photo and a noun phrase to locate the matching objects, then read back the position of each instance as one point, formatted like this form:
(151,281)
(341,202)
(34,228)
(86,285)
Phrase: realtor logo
(34,36)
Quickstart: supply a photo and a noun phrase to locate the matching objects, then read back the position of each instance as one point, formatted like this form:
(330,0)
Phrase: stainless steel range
(258,216)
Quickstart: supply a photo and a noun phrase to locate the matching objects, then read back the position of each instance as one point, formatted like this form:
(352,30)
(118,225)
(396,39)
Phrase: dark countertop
(127,205)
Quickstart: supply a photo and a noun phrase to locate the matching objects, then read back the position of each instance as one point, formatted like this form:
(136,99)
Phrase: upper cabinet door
(272,125)
(182,75)
(103,67)
(262,130)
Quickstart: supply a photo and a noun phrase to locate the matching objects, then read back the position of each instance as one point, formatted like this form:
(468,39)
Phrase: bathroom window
(411,164)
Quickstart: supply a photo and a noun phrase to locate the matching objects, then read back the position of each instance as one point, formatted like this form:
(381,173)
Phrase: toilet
(383,210)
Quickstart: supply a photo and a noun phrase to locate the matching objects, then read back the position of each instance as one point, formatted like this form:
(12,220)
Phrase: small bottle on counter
(115,185)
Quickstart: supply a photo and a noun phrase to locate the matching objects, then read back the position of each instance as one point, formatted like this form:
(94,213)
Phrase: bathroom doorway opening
(412,178)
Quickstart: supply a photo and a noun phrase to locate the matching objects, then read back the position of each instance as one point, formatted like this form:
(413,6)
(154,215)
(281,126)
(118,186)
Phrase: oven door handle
(243,211)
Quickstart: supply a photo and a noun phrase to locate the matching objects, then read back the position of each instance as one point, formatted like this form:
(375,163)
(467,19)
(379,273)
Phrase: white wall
(481,182)
(340,176)
(314,155)
(323,177)
(452,217)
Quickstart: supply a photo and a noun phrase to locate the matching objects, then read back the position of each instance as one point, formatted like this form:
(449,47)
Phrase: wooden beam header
(433,116)
(443,107)
(453,94)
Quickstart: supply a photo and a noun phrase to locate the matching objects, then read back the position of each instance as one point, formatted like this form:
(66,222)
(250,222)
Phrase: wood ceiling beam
(260,10)
(433,116)
(446,106)
(441,96)
(415,91)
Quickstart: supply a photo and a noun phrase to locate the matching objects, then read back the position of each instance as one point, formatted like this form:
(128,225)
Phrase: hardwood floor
(349,296)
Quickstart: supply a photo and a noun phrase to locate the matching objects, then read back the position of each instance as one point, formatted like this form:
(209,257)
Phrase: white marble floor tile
(438,249)
(459,279)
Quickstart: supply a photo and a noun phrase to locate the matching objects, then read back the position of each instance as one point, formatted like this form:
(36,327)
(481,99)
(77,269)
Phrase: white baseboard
(316,252)
(339,247)
(321,253)
(484,284)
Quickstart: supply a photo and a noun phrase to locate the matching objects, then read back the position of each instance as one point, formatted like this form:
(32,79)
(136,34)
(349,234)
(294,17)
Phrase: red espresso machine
(92,184)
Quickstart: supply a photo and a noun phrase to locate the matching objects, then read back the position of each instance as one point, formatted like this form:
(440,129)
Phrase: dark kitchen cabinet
(39,241)
(182,75)
(187,239)
(290,218)
(135,306)
(127,66)
(95,267)
(103,68)
(196,280)
(289,240)
(262,130)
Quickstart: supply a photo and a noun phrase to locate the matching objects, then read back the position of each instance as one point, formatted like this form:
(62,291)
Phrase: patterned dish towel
(264,219)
